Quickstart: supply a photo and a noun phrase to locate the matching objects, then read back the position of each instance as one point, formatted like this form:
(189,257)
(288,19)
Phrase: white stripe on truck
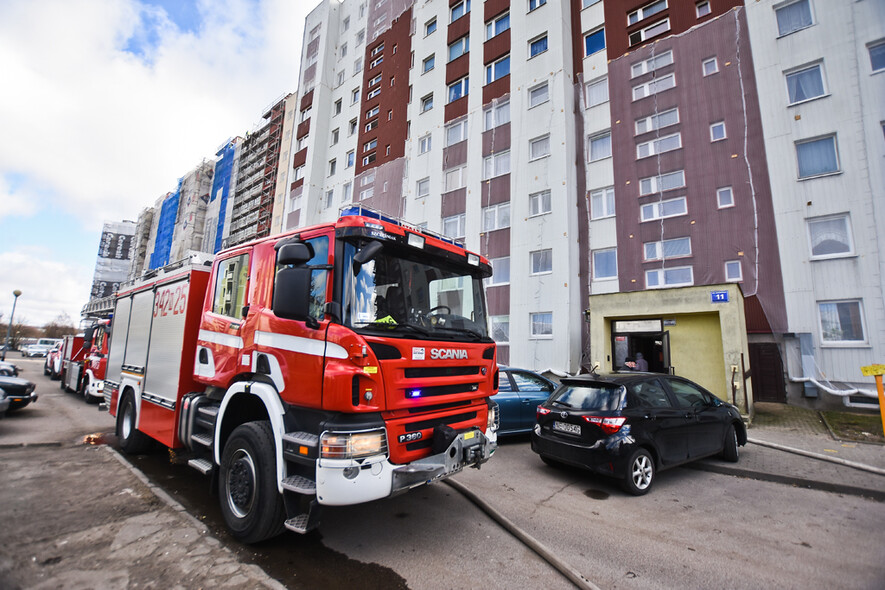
(228,340)
(301,345)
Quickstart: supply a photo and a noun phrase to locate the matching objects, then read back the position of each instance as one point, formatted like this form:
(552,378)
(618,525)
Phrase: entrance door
(767,372)
(654,346)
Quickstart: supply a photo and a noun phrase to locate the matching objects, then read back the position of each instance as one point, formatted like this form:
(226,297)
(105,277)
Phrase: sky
(104,105)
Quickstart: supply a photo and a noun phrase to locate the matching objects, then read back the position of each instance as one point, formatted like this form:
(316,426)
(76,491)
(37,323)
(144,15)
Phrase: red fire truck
(72,354)
(334,365)
(84,371)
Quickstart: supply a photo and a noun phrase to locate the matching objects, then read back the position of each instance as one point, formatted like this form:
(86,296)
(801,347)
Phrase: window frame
(654,146)
(653,122)
(714,127)
(697,8)
(740,268)
(538,39)
(536,4)
(498,214)
(595,138)
(715,69)
(545,254)
(645,33)
(640,13)
(492,112)
(538,197)
(430,27)
(425,143)
(426,183)
(837,170)
(663,276)
(463,43)
(537,141)
(602,81)
(461,126)
(818,65)
(849,236)
(460,87)
(787,4)
(493,262)
(870,47)
(719,192)
(462,178)
(491,26)
(465,4)
(431,59)
(587,39)
(603,195)
(660,248)
(656,184)
(490,165)
(533,321)
(824,342)
(460,219)
(606,251)
(650,88)
(427,103)
(659,209)
(531,90)
(651,64)
(491,69)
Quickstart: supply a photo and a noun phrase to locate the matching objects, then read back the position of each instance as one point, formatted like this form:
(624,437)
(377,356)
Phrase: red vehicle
(52,364)
(335,365)
(72,355)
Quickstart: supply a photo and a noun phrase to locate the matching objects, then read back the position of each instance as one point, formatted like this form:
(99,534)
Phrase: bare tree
(59,327)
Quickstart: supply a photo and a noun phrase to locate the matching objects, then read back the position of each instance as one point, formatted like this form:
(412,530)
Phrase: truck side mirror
(87,337)
(291,293)
(294,253)
(367,253)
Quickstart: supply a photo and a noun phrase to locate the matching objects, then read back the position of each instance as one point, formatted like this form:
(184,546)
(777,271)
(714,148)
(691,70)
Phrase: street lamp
(16,293)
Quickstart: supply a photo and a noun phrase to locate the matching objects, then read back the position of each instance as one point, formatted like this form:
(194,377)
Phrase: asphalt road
(694,530)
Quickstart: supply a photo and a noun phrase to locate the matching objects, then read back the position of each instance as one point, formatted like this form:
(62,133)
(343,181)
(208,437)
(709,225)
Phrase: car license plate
(566,427)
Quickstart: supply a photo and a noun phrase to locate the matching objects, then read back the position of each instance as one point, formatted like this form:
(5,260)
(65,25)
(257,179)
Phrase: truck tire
(247,484)
(132,441)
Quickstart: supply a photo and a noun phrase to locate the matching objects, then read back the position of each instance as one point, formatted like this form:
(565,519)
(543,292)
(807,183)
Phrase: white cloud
(48,288)
(107,131)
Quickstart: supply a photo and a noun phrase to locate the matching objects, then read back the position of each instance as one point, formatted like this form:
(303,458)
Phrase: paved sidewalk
(789,427)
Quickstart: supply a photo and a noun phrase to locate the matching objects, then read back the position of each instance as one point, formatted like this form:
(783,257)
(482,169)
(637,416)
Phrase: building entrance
(641,336)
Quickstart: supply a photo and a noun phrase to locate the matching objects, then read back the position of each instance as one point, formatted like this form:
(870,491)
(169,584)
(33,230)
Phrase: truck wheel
(247,485)
(132,441)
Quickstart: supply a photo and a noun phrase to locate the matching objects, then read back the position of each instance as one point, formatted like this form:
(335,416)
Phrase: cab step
(204,439)
(300,485)
(204,466)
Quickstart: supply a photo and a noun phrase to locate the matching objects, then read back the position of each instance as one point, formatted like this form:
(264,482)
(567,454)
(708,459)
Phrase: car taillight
(608,425)
(542,411)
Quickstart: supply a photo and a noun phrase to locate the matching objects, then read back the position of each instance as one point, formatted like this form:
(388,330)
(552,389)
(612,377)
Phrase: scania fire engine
(333,365)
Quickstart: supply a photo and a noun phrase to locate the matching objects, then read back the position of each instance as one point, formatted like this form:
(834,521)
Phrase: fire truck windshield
(409,293)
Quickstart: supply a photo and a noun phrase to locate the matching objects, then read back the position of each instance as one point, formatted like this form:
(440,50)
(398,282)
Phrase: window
(733,271)
(460,9)
(717,131)
(373,112)
(496,115)
(533,4)
(369,159)
(370,145)
(841,321)
(663,209)
(350,159)
(423,187)
(539,147)
(340,79)
(302,143)
(877,56)
(830,237)
(659,121)
(651,64)
(500,271)
(817,157)
(358,66)
(588,3)
(654,86)
(360,36)
(427,103)
(351,128)
(456,132)
(332,165)
(709,66)
(299,173)
(347,193)
(542,262)
(702,8)
(367,193)
(605,263)
(453,226)
(646,11)
(498,69)
(329,199)
(793,17)
(371,125)
(667,249)
(597,92)
(456,178)
(601,146)
(343,49)
(459,47)
(373,81)
(354,96)
(305,114)
(373,93)
(346,23)
(429,63)
(376,50)
(724,197)
(538,95)
(602,203)
(659,146)
(539,203)
(669,277)
(538,45)
(805,84)
(376,62)
(459,89)
(230,286)
(501,328)
(650,31)
(424,144)
(496,165)
(497,26)
(429,26)
(542,324)
(496,217)
(334,136)
(594,42)
(664,182)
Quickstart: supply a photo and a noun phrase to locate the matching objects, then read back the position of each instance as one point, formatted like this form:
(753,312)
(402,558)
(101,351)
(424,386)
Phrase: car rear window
(595,397)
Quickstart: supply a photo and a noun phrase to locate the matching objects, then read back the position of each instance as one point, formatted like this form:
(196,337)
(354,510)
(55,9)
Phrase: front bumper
(342,482)
(20,401)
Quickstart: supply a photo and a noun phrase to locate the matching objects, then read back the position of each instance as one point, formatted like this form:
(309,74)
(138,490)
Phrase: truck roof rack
(362,210)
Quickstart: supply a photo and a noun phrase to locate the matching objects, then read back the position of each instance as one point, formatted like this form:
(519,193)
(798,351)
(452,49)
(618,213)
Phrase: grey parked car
(19,392)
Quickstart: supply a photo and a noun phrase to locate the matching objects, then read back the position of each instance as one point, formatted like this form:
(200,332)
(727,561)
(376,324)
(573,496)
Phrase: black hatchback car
(629,426)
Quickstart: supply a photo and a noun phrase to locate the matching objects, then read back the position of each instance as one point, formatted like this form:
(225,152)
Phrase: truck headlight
(494,418)
(353,445)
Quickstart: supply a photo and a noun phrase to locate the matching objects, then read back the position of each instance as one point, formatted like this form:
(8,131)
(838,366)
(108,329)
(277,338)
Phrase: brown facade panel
(496,244)
(298,183)
(300,158)
(496,89)
(493,8)
(456,109)
(292,219)
(458,29)
(302,129)
(455,155)
(496,139)
(499,300)
(496,47)
(454,203)
(306,101)
(496,190)
(457,68)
